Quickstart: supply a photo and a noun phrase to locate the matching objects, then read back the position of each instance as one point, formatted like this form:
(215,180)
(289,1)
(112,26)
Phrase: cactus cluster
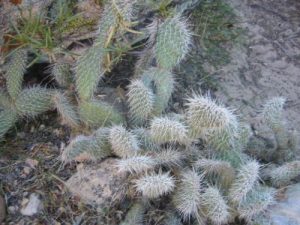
(193,165)
(213,182)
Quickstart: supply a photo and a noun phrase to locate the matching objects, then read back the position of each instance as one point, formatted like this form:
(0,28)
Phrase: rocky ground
(263,62)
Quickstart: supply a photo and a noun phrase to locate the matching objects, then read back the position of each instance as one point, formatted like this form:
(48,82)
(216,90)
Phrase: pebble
(31,206)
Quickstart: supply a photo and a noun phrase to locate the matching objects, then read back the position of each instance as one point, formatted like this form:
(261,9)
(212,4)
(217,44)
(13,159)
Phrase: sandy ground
(269,64)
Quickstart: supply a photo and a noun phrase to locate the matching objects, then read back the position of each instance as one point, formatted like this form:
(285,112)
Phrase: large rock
(287,211)
(101,185)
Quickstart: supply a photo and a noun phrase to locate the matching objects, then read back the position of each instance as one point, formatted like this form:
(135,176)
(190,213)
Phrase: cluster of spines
(187,196)
(204,114)
(34,101)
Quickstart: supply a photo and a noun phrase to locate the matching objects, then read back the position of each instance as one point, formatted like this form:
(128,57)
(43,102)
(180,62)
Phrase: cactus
(203,113)
(34,101)
(123,142)
(246,179)
(136,164)
(214,167)
(140,101)
(284,174)
(7,119)
(215,206)
(169,157)
(5,102)
(256,202)
(187,198)
(97,113)
(62,74)
(66,110)
(172,219)
(172,32)
(163,82)
(165,129)
(84,148)
(90,68)
(15,71)
(135,215)
(155,185)
(272,113)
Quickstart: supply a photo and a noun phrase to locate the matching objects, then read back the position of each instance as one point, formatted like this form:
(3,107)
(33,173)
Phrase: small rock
(2,209)
(32,205)
(42,127)
(32,163)
(101,185)
(26,170)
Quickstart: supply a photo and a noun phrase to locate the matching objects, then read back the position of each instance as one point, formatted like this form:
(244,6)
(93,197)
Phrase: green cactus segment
(136,164)
(123,142)
(225,139)
(203,113)
(144,138)
(7,119)
(102,137)
(169,157)
(163,81)
(172,43)
(155,185)
(284,174)
(141,100)
(215,206)
(187,197)
(244,134)
(172,219)
(34,101)
(66,110)
(89,68)
(167,130)
(88,72)
(220,169)
(135,215)
(272,113)
(256,202)
(15,71)
(5,102)
(84,147)
(97,113)
(246,179)
(62,74)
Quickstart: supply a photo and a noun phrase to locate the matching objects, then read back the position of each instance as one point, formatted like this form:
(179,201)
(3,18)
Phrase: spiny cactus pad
(34,101)
(123,142)
(203,113)
(245,181)
(65,109)
(155,185)
(187,197)
(215,206)
(172,32)
(7,119)
(97,113)
(15,72)
(164,130)
(141,101)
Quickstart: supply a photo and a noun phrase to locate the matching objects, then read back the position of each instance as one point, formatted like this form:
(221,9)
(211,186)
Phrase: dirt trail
(269,64)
